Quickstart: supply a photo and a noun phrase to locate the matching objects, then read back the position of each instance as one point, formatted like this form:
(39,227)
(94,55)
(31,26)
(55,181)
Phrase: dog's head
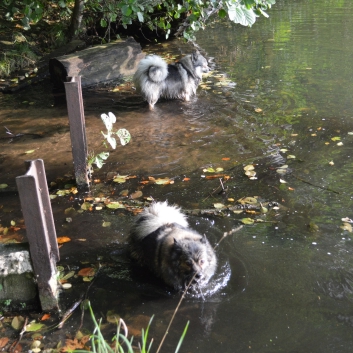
(193,260)
(199,61)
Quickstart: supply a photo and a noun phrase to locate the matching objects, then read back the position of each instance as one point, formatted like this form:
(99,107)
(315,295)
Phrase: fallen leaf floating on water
(87,272)
(247,221)
(283,150)
(258,110)
(136,195)
(219,205)
(66,285)
(29,152)
(350,133)
(72,345)
(340,144)
(34,326)
(3,342)
(291,156)
(331,163)
(124,193)
(208,170)
(250,172)
(248,201)
(225,159)
(120,179)
(17,322)
(106,224)
(249,167)
(336,138)
(282,181)
(3,186)
(86,206)
(115,205)
(67,276)
(283,169)
(186,179)
(62,240)
(45,317)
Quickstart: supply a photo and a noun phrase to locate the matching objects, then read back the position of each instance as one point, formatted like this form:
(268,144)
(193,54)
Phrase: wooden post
(76,114)
(40,230)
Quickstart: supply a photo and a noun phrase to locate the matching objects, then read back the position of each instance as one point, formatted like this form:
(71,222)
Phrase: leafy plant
(17,58)
(122,344)
(123,135)
(158,16)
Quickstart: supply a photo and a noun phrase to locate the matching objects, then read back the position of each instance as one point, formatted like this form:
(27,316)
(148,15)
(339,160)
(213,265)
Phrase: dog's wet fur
(162,241)
(155,79)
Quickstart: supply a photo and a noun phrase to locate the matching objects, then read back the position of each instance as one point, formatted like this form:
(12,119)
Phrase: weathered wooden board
(101,63)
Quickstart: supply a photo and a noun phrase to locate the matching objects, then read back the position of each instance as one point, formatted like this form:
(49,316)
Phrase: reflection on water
(281,89)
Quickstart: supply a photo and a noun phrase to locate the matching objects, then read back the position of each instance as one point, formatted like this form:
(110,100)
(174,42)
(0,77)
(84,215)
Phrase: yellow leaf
(218,205)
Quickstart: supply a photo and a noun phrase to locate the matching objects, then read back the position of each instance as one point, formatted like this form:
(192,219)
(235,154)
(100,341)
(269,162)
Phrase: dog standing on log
(162,241)
(155,79)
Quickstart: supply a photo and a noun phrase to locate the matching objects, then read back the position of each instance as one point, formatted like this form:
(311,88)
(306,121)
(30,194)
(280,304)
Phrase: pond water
(284,84)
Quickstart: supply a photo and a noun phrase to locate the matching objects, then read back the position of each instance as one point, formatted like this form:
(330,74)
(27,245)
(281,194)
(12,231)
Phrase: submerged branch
(317,186)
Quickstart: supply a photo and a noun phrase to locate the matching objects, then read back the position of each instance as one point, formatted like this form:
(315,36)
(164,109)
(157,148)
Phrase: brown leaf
(71,345)
(87,272)
(136,194)
(3,342)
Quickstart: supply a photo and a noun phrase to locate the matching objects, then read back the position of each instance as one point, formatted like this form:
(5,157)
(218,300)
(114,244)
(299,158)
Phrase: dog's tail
(156,216)
(153,67)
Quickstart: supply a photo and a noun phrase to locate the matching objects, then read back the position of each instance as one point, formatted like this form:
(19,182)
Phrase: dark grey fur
(154,78)
(161,240)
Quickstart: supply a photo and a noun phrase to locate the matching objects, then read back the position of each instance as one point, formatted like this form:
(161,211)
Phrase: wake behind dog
(155,79)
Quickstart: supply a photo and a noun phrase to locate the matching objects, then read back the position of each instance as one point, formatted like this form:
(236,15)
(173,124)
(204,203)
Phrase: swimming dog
(162,241)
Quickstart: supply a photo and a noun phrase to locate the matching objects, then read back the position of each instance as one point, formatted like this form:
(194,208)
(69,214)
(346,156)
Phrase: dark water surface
(283,84)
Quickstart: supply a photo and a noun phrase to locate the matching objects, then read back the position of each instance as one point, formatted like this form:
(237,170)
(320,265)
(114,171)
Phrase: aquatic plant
(120,341)
(124,137)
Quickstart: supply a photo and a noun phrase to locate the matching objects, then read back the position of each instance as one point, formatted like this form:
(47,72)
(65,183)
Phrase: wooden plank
(44,251)
(76,114)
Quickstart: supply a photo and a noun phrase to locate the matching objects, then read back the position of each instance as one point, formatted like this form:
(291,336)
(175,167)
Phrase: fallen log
(101,63)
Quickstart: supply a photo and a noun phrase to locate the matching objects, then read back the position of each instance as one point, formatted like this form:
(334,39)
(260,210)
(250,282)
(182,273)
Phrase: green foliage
(159,16)
(123,135)
(121,343)
(19,57)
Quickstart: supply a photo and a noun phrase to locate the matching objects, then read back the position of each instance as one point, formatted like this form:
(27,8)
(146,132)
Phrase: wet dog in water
(162,241)
(155,79)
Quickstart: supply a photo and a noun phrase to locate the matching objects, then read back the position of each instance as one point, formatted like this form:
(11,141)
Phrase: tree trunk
(76,18)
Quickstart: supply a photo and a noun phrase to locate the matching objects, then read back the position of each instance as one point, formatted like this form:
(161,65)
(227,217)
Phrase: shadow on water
(280,95)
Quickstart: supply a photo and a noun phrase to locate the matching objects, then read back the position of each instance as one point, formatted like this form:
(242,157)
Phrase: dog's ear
(195,54)
(203,240)
(176,244)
